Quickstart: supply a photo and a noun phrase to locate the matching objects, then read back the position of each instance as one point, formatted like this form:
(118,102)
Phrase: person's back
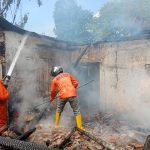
(66,85)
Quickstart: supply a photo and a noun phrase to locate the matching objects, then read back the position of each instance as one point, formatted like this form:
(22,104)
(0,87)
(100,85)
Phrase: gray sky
(41,18)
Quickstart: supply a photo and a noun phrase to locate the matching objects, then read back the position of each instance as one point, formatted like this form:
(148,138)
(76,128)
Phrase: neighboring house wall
(124,74)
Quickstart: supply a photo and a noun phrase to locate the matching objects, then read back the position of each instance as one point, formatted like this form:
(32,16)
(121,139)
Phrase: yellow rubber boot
(79,122)
(57,118)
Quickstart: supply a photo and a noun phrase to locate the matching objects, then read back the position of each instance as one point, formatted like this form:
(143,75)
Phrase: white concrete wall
(124,77)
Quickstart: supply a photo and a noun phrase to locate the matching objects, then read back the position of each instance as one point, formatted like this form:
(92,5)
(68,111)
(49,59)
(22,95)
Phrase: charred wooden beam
(81,55)
(98,140)
(40,116)
(147,143)
(67,139)
(26,134)
(48,142)
(57,46)
(12,144)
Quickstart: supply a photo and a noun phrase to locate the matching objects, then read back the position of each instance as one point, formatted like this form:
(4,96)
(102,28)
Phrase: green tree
(12,7)
(72,22)
(120,19)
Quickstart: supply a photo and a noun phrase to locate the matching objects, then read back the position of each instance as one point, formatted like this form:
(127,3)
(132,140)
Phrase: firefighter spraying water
(4,94)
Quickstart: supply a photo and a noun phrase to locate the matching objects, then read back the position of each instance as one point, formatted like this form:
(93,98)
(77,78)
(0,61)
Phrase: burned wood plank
(98,140)
(147,143)
(26,134)
(42,113)
(67,139)
(81,55)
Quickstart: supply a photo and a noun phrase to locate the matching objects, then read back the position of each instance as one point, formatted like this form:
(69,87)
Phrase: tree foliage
(71,21)
(12,7)
(119,19)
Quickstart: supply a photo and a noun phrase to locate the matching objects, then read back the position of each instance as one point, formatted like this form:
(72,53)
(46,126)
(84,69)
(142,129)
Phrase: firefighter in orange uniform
(66,86)
(4,95)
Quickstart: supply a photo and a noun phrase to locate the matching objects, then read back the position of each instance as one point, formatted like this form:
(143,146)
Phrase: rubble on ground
(118,133)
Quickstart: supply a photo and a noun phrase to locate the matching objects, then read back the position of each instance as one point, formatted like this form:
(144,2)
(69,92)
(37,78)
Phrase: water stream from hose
(17,54)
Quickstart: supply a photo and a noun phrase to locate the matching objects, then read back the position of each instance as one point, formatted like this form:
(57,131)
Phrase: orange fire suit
(65,84)
(4,95)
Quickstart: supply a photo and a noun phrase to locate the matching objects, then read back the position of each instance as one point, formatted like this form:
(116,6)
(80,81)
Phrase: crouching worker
(66,86)
(4,95)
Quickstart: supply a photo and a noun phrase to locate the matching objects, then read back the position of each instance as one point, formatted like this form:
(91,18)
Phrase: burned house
(39,54)
(120,70)
(113,65)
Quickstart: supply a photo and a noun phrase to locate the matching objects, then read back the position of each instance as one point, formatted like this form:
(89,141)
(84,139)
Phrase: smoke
(87,95)
(137,97)
(120,19)
(27,76)
(129,101)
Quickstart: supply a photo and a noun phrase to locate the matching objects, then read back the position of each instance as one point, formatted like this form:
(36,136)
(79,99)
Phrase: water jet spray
(8,76)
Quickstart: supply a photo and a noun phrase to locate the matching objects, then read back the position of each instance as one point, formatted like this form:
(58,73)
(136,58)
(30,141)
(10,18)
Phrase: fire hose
(13,144)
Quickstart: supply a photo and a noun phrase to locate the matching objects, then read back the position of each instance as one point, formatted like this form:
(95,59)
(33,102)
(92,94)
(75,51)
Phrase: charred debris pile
(101,132)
